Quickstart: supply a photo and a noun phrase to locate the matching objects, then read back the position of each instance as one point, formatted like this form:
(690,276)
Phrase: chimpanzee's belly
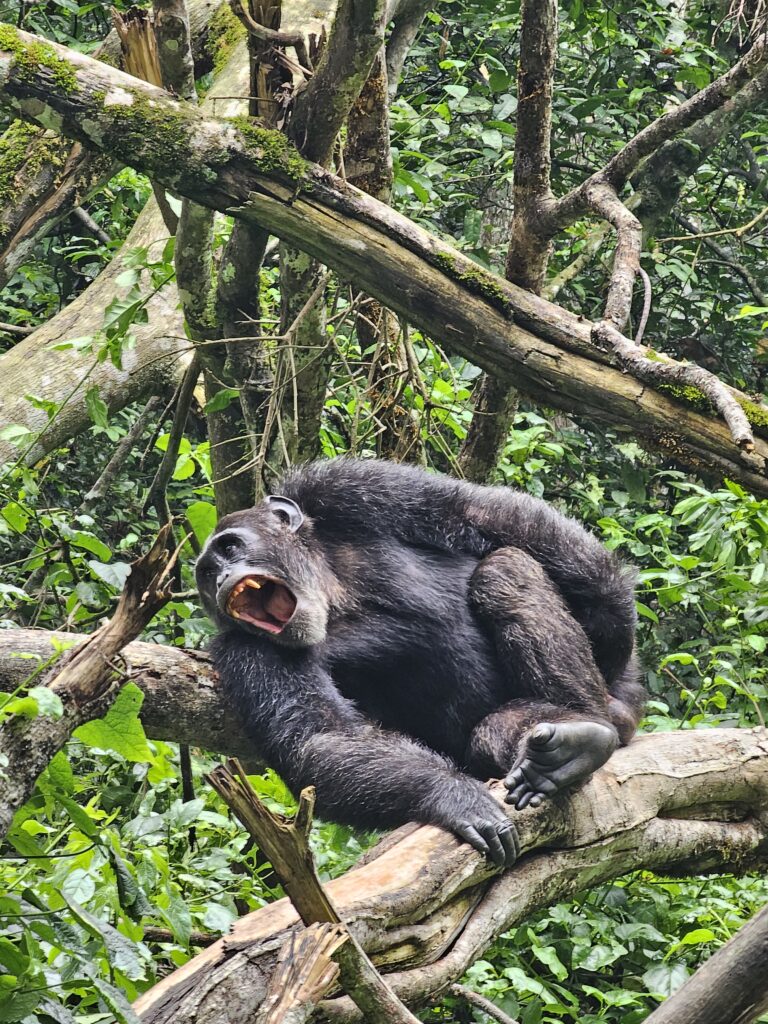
(415,658)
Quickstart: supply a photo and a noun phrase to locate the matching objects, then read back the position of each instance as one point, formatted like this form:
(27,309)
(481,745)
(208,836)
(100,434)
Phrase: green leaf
(185,467)
(115,574)
(11,957)
(15,434)
(665,979)
(15,516)
(48,702)
(221,399)
(80,818)
(178,918)
(115,1001)
(97,407)
(201,516)
(16,1006)
(88,542)
(121,951)
(78,886)
(548,956)
(120,730)
(696,937)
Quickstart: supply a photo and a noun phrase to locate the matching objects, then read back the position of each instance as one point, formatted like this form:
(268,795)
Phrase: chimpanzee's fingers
(496,850)
(470,835)
(510,840)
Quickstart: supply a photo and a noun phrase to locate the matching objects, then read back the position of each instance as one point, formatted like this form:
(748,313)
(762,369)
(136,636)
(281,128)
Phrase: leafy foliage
(111,877)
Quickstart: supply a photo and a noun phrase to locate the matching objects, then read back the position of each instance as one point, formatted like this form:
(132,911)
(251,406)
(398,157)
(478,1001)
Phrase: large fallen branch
(182,701)
(152,364)
(685,802)
(43,177)
(251,173)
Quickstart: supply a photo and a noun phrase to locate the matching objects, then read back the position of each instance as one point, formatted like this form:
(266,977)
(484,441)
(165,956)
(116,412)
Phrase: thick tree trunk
(546,350)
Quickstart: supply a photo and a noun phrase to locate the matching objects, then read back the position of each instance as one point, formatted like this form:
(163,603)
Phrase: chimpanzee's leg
(561,723)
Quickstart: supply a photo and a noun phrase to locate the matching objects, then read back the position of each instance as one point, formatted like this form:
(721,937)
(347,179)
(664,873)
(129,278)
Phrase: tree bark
(682,802)
(50,176)
(686,802)
(154,363)
(496,325)
(182,700)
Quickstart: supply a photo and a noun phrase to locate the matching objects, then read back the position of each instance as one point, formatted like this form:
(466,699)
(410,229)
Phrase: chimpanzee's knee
(506,579)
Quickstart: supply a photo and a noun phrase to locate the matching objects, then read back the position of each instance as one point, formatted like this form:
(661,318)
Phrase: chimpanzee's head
(262,571)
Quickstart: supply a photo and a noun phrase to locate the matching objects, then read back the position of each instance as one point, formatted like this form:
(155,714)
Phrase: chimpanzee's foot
(557,755)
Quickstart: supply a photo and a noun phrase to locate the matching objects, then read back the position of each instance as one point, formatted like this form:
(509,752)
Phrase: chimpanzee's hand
(485,826)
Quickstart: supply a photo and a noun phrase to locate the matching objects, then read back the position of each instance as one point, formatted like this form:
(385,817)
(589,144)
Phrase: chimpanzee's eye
(229,545)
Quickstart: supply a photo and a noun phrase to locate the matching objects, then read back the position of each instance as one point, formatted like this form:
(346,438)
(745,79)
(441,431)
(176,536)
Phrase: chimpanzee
(393,636)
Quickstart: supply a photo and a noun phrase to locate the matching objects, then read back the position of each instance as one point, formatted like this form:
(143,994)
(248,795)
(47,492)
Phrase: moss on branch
(478,280)
(23,145)
(690,395)
(225,31)
(271,149)
(31,58)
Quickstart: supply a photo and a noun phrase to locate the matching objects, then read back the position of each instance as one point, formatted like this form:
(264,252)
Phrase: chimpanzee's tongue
(280,603)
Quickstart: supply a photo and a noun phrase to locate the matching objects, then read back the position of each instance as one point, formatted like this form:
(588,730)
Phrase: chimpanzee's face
(261,572)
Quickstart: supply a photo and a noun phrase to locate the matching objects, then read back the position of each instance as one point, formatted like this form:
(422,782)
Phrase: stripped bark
(286,846)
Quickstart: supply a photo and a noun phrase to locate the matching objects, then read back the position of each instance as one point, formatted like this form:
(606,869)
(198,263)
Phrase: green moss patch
(30,58)
(274,152)
(476,279)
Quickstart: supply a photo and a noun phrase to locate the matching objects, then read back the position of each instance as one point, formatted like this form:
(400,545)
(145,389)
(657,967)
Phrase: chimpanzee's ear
(287,510)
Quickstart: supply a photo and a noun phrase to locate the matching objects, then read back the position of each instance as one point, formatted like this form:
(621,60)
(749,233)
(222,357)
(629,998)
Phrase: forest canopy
(520,243)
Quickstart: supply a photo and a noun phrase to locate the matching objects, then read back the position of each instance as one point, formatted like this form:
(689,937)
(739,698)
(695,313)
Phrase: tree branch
(489,321)
(86,680)
(427,906)
(356,36)
(618,169)
(602,198)
(182,700)
(286,846)
(657,371)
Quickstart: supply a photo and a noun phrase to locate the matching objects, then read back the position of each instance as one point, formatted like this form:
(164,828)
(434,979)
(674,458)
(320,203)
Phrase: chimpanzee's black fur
(443,631)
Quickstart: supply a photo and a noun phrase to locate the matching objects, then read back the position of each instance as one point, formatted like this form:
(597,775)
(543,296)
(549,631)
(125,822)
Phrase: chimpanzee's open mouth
(263,602)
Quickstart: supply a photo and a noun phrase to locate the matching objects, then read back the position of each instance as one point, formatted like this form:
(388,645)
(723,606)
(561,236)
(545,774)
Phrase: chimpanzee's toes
(556,755)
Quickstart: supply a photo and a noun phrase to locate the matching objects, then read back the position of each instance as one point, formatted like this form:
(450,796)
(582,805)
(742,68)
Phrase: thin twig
(475,999)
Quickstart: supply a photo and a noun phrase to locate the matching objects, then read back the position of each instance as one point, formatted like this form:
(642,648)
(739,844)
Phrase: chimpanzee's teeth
(250,582)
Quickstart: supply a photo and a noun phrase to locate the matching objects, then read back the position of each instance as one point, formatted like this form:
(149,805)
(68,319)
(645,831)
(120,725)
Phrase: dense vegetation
(113,868)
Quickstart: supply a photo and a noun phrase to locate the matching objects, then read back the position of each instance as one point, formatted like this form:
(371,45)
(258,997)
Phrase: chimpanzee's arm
(363,776)
(365,498)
